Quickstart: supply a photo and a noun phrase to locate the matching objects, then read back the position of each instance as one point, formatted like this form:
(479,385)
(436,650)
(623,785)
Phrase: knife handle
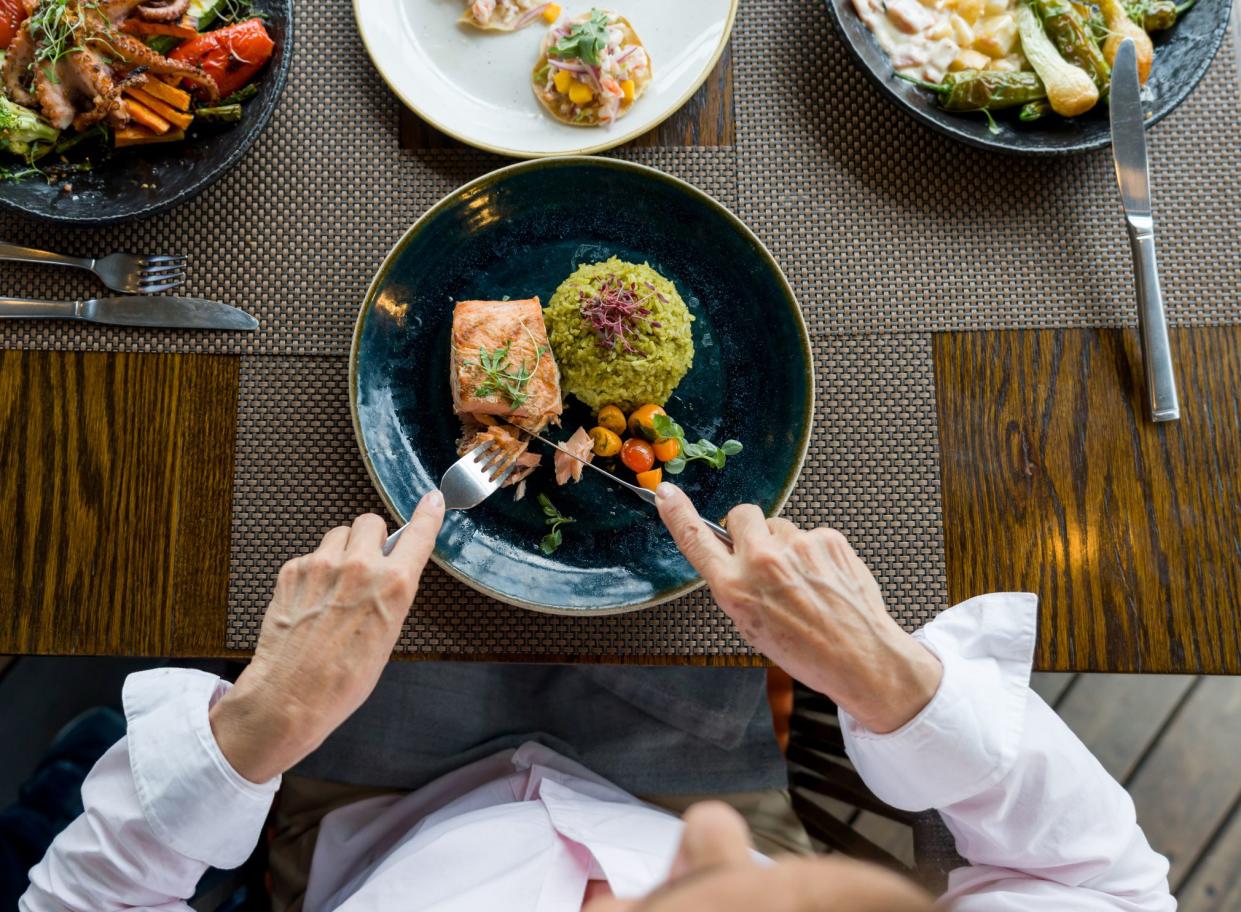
(29,309)
(1153,325)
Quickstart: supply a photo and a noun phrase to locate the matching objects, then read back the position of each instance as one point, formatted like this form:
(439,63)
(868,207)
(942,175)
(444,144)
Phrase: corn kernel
(580,93)
(562,80)
(628,88)
(551,12)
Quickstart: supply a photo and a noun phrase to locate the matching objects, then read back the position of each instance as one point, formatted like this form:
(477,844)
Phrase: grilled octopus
(83,86)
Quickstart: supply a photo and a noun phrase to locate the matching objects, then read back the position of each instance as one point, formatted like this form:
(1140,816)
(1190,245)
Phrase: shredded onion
(530,16)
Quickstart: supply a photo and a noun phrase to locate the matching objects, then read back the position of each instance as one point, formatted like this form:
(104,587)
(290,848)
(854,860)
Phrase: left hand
(328,632)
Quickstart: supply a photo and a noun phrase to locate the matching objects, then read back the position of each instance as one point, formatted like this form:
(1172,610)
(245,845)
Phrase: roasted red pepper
(232,55)
(12,15)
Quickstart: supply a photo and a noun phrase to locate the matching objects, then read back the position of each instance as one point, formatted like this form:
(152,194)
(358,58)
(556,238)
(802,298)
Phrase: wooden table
(116,470)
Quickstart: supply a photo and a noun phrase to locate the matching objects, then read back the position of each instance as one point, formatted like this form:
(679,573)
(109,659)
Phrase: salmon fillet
(522,385)
(512,336)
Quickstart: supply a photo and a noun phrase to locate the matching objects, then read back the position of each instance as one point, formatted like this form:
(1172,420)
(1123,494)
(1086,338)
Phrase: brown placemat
(884,225)
(872,472)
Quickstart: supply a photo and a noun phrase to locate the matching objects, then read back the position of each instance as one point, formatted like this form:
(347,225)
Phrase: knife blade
(1128,123)
(646,494)
(168,311)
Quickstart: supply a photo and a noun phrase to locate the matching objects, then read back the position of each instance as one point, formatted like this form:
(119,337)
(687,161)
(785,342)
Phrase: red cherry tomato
(232,55)
(637,455)
(12,15)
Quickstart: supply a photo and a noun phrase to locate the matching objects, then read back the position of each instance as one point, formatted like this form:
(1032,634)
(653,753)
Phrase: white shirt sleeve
(1042,825)
(160,807)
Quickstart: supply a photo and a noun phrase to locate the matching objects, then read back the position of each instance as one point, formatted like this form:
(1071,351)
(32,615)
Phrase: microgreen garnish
(586,40)
(502,377)
(554,518)
(705,450)
(616,310)
(52,32)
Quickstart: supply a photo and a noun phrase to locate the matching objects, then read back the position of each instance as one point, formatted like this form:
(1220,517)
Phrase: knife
(134,310)
(1133,175)
(649,496)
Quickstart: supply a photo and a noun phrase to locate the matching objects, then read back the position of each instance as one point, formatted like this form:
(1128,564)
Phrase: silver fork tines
(469,481)
(124,272)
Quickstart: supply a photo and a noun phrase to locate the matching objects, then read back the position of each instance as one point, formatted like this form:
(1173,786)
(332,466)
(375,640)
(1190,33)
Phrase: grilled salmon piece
(510,338)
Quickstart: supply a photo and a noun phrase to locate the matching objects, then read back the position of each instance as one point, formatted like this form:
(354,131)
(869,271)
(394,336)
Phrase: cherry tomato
(12,15)
(607,443)
(640,420)
(667,448)
(637,455)
(232,55)
(650,480)
(612,418)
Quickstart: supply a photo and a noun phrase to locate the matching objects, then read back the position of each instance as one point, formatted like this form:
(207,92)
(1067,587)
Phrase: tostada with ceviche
(591,69)
(507,15)
(83,78)
(617,337)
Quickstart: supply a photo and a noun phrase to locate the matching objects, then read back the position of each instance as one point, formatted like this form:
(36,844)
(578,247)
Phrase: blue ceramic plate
(520,231)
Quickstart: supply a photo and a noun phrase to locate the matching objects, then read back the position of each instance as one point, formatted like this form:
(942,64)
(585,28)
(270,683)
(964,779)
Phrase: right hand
(806,600)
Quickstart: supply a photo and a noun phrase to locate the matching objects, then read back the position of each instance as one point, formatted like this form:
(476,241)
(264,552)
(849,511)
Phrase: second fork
(124,272)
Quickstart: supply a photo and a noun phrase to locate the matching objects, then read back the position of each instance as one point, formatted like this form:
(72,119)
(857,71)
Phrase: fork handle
(16,254)
(30,309)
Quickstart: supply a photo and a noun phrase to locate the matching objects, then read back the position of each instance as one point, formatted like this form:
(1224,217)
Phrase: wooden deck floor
(1175,743)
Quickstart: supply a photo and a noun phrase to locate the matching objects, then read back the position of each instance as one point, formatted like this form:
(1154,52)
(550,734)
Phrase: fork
(121,271)
(469,481)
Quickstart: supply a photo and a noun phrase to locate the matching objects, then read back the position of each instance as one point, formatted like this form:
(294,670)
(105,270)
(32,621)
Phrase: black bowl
(1182,55)
(139,182)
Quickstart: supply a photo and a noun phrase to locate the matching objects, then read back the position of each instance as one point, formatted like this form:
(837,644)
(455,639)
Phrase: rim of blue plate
(496,176)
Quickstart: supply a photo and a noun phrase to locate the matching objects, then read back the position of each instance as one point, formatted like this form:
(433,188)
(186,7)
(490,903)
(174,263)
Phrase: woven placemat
(884,225)
(299,474)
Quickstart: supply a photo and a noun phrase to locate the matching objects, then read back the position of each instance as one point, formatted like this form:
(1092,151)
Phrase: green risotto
(620,333)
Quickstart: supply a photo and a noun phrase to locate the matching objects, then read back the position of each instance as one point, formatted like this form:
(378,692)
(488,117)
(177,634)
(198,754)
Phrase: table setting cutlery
(1133,175)
(124,272)
(151,310)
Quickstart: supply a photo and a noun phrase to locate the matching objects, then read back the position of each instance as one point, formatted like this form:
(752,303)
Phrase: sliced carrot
(145,29)
(167,93)
(137,136)
(168,112)
(145,117)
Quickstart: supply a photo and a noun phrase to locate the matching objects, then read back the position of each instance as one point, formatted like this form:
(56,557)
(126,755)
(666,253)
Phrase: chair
(828,794)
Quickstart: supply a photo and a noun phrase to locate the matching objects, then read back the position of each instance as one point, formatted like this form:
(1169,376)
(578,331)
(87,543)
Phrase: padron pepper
(984,90)
(1156,15)
(1074,39)
(1034,110)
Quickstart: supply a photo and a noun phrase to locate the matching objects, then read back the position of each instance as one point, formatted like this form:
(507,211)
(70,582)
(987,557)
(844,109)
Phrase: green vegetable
(219,113)
(53,35)
(586,40)
(554,518)
(984,90)
(208,14)
(245,93)
(1093,18)
(16,174)
(1034,110)
(1074,39)
(163,44)
(97,132)
(1070,90)
(25,133)
(704,450)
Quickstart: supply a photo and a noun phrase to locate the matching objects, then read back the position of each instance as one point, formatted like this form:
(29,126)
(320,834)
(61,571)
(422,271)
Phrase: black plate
(139,182)
(1182,55)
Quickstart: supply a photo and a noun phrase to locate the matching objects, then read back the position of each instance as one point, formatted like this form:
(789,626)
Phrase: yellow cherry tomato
(637,455)
(612,418)
(607,442)
(640,420)
(650,480)
(667,448)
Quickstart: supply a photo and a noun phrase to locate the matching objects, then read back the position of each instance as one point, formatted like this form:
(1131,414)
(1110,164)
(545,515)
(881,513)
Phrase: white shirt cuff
(968,736)
(190,795)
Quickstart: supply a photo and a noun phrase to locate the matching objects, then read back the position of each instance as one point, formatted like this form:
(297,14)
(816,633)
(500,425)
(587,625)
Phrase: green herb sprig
(554,518)
(53,34)
(704,450)
(586,40)
(502,377)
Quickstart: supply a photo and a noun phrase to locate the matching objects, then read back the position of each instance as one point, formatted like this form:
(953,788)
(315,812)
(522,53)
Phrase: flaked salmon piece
(567,467)
(477,430)
(502,363)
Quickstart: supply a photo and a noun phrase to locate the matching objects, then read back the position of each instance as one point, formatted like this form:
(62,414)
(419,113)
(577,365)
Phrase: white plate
(475,86)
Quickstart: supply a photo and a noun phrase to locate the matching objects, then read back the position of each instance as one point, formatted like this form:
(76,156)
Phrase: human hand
(806,600)
(714,869)
(328,632)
